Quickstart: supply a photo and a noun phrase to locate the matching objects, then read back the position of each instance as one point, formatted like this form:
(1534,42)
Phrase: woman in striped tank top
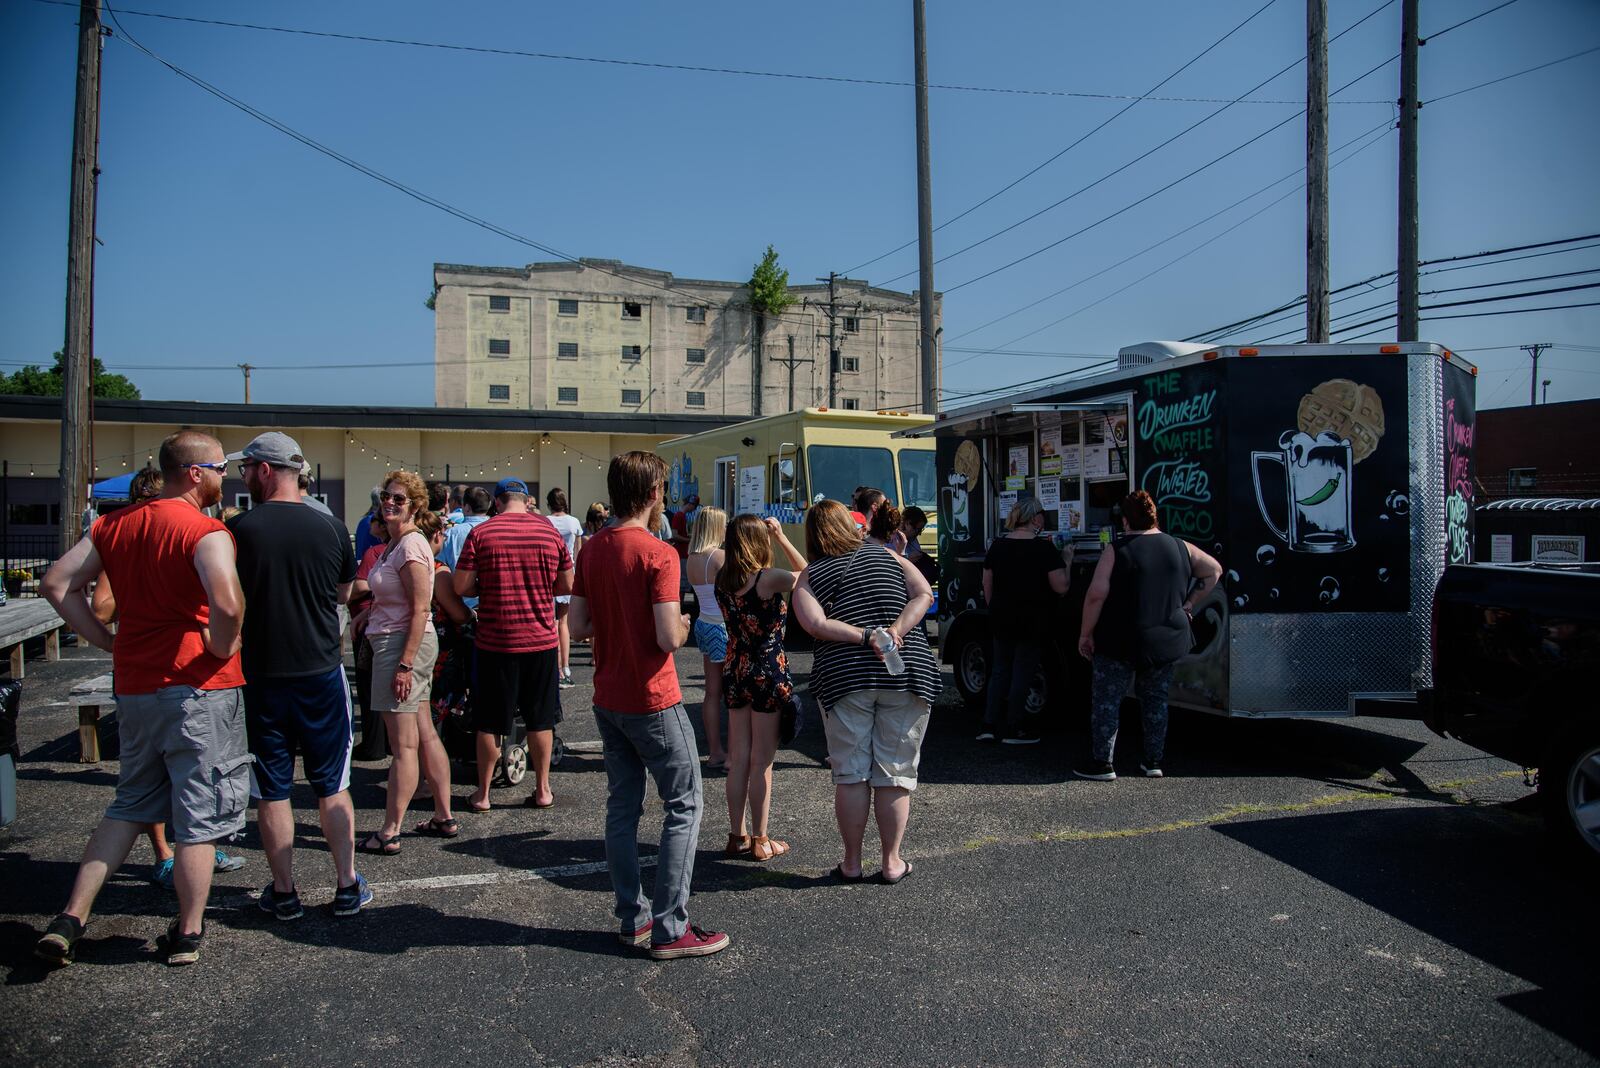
(874,720)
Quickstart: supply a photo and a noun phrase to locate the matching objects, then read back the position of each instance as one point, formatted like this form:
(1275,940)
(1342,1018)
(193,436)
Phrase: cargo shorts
(185,760)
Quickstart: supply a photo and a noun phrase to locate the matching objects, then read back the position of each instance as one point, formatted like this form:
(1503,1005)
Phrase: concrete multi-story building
(601,336)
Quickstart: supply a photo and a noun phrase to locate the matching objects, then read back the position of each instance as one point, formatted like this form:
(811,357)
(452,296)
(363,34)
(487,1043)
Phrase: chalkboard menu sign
(1179,442)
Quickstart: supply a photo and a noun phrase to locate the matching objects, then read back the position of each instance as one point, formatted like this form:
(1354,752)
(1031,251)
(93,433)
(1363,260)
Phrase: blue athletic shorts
(712,640)
(311,714)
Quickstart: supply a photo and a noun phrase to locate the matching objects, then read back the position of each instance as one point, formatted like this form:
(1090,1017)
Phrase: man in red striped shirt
(516,564)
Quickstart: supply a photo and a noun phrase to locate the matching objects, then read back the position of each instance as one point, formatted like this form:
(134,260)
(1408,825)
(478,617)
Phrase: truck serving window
(836,470)
(917,480)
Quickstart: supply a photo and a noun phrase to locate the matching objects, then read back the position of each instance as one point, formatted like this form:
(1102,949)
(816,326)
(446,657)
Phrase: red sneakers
(695,942)
(641,937)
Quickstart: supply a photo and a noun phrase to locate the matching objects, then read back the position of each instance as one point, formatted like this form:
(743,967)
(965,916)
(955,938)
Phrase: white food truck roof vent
(1147,352)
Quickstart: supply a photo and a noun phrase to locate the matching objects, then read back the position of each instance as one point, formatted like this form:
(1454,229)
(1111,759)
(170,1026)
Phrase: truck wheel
(1039,692)
(971,663)
(1570,789)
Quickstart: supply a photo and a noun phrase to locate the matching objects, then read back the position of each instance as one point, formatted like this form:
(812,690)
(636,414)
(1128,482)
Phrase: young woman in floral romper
(755,675)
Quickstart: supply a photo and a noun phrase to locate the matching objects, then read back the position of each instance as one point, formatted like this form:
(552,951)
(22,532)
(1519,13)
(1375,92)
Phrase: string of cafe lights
(495,466)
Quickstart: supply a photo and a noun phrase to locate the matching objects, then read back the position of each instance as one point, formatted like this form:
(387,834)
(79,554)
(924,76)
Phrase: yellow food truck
(778,464)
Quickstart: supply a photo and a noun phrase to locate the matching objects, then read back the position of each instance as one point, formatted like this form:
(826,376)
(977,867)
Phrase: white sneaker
(1151,771)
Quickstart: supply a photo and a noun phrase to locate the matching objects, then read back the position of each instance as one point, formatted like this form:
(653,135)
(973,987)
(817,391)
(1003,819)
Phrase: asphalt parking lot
(1354,892)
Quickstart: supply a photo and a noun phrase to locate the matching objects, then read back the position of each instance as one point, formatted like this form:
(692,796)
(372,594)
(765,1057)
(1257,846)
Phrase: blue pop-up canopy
(113,489)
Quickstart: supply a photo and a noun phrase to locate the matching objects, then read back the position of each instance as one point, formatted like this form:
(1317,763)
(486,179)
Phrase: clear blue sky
(226,242)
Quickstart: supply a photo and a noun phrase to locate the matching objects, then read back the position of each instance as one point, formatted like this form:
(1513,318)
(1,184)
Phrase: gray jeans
(1111,679)
(661,743)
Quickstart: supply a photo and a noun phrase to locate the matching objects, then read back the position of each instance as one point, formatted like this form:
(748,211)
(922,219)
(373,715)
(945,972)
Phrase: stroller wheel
(558,749)
(514,764)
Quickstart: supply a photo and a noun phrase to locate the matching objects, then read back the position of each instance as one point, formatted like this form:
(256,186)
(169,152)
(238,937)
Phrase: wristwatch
(402,668)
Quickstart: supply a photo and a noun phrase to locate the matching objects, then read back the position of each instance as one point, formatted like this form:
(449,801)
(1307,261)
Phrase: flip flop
(886,881)
(438,828)
(840,877)
(386,847)
(531,803)
(475,808)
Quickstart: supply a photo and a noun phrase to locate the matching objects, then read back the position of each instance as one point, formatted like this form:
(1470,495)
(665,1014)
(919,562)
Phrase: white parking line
(450,882)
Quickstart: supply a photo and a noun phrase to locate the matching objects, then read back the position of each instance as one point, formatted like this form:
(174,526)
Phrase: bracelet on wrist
(402,668)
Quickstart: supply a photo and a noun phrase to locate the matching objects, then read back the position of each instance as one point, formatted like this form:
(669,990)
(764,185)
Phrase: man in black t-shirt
(296,566)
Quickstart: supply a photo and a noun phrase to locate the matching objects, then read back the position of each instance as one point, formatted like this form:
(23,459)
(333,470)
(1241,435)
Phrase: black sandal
(438,828)
(386,847)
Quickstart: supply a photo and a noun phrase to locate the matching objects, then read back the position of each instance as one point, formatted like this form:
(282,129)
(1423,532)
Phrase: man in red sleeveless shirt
(178,684)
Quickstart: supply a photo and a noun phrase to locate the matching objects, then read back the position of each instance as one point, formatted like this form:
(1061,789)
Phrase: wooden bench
(90,697)
(21,620)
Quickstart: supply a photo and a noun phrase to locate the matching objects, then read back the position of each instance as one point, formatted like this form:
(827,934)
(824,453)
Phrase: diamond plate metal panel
(1310,664)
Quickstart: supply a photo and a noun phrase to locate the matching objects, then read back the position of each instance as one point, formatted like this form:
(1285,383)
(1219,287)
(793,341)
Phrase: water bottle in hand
(891,654)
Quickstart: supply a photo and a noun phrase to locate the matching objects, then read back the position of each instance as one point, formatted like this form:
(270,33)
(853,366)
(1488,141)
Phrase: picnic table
(21,620)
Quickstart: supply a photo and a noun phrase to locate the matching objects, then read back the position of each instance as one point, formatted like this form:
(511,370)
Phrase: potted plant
(15,577)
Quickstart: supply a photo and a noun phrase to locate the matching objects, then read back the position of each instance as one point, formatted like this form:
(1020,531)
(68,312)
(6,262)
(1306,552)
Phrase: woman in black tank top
(1136,627)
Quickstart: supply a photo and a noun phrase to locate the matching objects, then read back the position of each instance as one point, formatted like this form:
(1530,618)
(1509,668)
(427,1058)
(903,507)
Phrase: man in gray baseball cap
(273,447)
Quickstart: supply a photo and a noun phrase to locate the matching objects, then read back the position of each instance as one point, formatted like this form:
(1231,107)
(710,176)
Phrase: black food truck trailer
(1332,482)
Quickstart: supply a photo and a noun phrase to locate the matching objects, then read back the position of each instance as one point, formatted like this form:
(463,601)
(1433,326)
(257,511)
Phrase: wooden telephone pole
(1408,324)
(1317,172)
(77,375)
(930,387)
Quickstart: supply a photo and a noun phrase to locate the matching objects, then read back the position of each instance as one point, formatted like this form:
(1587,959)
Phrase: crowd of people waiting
(214,700)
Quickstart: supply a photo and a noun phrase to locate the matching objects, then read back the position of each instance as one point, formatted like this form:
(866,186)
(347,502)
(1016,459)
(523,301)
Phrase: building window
(566,394)
(850,404)
(499,393)
(695,356)
(694,315)
(696,399)
(850,364)
(567,350)
(499,304)
(566,307)
(631,309)
(499,346)
(632,396)
(852,324)
(1522,479)
(632,353)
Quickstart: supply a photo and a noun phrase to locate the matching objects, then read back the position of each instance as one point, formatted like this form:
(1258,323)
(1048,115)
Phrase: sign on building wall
(1558,548)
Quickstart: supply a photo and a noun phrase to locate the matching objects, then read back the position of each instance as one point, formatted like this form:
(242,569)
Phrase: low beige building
(602,336)
(350,450)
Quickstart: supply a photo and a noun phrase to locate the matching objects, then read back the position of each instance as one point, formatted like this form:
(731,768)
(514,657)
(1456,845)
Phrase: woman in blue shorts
(710,636)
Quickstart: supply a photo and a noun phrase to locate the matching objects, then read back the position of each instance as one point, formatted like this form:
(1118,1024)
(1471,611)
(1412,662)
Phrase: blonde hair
(1023,513)
(709,528)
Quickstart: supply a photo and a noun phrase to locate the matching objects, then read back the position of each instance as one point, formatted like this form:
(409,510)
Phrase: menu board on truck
(1050,451)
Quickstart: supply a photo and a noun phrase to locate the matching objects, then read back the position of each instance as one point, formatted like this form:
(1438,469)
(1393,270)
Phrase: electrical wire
(682,67)
(1517,74)
(1463,22)
(1080,140)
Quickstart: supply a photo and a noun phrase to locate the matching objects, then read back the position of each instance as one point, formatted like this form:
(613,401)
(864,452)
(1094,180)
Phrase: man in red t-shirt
(177,679)
(516,564)
(626,596)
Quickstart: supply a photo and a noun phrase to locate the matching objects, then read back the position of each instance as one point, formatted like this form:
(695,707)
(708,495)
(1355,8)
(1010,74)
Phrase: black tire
(1569,789)
(969,663)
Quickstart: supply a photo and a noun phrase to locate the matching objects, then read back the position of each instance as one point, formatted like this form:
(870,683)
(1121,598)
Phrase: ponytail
(885,521)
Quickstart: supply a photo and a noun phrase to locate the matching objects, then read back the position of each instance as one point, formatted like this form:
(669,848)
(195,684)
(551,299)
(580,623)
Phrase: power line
(1514,311)
(1149,196)
(1107,122)
(1463,22)
(1517,74)
(683,67)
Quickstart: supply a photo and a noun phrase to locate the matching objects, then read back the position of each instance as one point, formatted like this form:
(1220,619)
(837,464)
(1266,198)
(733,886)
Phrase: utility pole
(1317,172)
(791,363)
(77,377)
(930,392)
(246,368)
(833,340)
(1546,399)
(1533,383)
(1406,255)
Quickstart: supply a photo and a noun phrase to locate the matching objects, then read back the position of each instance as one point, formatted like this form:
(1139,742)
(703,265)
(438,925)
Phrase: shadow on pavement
(23,969)
(1477,879)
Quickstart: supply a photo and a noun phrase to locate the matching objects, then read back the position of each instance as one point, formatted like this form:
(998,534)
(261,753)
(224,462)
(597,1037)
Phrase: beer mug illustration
(953,509)
(1316,480)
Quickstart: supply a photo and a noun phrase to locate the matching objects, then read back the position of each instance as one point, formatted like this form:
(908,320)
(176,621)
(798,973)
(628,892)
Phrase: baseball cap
(275,448)
(510,485)
(693,499)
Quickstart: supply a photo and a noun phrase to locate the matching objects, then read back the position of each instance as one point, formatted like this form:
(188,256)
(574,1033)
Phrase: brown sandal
(764,848)
(738,845)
